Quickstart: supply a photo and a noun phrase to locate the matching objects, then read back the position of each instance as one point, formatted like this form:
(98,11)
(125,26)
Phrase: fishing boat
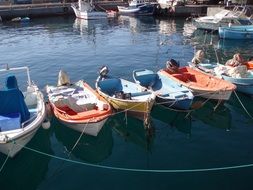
(241,76)
(242,32)
(138,7)
(201,84)
(21,113)
(237,16)
(244,85)
(78,106)
(168,92)
(85,9)
(125,95)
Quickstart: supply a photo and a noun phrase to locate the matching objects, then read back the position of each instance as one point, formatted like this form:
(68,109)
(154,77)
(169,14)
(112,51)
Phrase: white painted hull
(88,128)
(89,15)
(12,149)
(220,95)
(23,135)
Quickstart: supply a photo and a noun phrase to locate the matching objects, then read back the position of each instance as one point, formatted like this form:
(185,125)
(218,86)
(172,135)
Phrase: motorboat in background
(168,92)
(241,32)
(237,16)
(78,106)
(138,7)
(21,113)
(85,9)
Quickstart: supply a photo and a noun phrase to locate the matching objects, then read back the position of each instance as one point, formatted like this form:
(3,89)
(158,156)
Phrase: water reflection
(173,119)
(27,169)
(241,103)
(188,29)
(219,117)
(132,130)
(137,24)
(89,27)
(167,27)
(87,148)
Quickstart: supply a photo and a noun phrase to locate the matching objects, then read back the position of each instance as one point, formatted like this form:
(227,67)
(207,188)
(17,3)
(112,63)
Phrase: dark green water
(206,138)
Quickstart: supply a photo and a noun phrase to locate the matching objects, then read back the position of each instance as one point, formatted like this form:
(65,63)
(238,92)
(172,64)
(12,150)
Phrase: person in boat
(198,57)
(237,60)
(63,79)
(172,66)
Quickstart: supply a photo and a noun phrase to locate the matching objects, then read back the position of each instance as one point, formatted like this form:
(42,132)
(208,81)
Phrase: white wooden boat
(79,107)
(125,95)
(168,92)
(86,10)
(21,114)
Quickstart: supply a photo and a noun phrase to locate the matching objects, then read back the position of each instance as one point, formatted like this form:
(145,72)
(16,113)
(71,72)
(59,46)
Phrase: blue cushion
(10,122)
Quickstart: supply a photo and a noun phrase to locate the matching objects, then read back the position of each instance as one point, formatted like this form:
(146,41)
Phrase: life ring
(65,9)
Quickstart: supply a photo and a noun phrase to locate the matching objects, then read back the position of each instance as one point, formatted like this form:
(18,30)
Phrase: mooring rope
(7,157)
(79,138)
(243,106)
(5,161)
(140,170)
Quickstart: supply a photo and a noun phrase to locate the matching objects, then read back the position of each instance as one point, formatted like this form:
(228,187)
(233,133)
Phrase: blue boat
(168,92)
(236,32)
(244,85)
(138,7)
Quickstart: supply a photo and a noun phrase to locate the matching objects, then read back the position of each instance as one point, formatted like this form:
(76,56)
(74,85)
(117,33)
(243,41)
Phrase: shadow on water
(241,103)
(88,148)
(173,119)
(133,130)
(27,169)
(213,116)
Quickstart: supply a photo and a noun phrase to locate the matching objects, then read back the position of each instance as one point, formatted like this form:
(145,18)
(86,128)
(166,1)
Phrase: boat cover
(12,100)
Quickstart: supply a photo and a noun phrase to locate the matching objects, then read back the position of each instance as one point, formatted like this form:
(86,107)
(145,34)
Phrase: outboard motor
(103,71)
(172,65)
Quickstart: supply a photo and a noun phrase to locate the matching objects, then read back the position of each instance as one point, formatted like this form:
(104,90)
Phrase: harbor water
(206,149)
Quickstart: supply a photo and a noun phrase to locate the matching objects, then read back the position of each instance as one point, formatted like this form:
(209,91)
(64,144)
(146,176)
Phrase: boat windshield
(245,21)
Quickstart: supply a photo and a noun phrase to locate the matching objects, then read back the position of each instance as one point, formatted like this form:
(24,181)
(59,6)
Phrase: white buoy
(46,124)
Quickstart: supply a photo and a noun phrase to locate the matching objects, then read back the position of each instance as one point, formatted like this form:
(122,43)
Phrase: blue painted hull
(244,85)
(148,9)
(236,32)
(168,92)
(183,104)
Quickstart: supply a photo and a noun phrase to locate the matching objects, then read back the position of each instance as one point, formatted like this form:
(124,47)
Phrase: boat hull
(183,104)
(90,128)
(89,15)
(244,85)
(139,109)
(236,32)
(148,9)
(10,148)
